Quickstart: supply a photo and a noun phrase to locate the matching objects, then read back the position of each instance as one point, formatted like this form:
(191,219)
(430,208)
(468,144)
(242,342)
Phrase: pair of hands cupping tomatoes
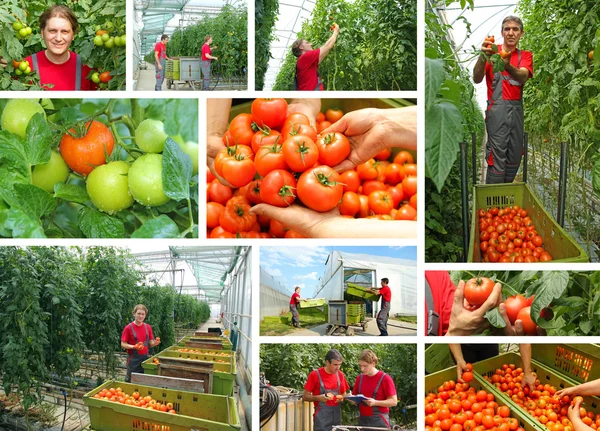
(279,159)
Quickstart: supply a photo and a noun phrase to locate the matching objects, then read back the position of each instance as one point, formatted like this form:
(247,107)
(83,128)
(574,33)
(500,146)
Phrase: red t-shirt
(62,76)
(386,390)
(329,381)
(386,292)
(295,298)
(306,70)
(161,48)
(509,91)
(140,331)
(442,290)
(206,50)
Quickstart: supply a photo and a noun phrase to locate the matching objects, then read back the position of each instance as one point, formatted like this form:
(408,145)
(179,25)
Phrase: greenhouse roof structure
(157,17)
(292,14)
(208,265)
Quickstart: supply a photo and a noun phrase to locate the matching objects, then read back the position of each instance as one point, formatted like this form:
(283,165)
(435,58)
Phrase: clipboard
(356,398)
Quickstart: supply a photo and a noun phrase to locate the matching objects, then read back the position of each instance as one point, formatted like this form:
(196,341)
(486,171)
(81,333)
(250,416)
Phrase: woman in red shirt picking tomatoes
(59,68)
(136,338)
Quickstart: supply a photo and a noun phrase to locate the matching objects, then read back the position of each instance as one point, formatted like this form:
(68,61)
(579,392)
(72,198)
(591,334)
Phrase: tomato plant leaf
(95,224)
(39,138)
(551,285)
(160,227)
(20,224)
(34,201)
(453,91)
(13,157)
(177,171)
(495,318)
(71,116)
(182,119)
(586,326)
(596,176)
(71,193)
(442,137)
(434,77)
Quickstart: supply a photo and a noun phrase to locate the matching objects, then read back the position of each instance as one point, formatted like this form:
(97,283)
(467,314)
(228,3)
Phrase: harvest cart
(186,70)
(344,316)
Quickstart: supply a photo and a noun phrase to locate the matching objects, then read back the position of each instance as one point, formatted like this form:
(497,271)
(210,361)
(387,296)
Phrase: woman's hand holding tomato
(464,321)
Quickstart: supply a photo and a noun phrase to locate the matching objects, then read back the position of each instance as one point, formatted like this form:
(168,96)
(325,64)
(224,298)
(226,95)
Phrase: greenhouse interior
(64,352)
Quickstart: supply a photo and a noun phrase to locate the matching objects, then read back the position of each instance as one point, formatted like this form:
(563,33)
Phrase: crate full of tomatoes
(270,157)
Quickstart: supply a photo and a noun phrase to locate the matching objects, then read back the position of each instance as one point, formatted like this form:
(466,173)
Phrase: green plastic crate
(204,356)
(438,357)
(575,361)
(221,353)
(222,341)
(361,292)
(545,375)
(557,241)
(353,320)
(196,411)
(309,303)
(432,381)
(223,374)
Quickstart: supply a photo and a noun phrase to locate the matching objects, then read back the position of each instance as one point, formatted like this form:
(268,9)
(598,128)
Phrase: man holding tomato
(326,387)
(59,68)
(160,61)
(136,338)
(504,116)
(307,74)
(294,306)
(384,312)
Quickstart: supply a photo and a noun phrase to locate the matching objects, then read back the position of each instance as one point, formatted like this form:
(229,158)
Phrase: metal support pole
(525,152)
(562,184)
(464,191)
(474,156)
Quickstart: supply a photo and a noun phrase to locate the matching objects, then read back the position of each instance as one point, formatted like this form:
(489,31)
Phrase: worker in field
(136,338)
(160,61)
(307,74)
(59,69)
(379,389)
(294,300)
(384,311)
(207,57)
(326,387)
(504,115)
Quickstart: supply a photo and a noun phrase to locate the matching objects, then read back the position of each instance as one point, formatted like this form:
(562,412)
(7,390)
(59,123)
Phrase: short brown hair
(296,47)
(368,356)
(60,11)
(208,36)
(296,288)
(163,37)
(512,18)
(140,306)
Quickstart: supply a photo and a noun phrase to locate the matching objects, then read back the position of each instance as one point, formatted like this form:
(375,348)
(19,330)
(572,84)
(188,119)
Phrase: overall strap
(78,75)
(378,384)
(433,318)
(133,331)
(34,63)
(360,379)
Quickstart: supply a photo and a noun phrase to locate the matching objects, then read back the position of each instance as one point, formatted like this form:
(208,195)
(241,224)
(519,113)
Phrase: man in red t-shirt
(379,389)
(386,302)
(307,75)
(294,300)
(60,69)
(205,63)
(160,61)
(326,387)
(137,333)
(504,116)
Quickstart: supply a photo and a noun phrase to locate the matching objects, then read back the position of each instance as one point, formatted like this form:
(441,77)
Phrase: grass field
(308,317)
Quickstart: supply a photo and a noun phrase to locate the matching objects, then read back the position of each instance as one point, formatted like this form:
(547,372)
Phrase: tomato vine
(265,16)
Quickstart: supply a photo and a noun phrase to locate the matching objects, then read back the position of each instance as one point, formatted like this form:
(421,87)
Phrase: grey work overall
(36,68)
(504,124)
(134,362)
(382,317)
(326,417)
(160,74)
(205,68)
(377,419)
(295,315)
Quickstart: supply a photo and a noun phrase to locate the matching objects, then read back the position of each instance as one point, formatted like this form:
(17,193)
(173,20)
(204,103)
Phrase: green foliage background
(265,16)
(375,50)
(89,14)
(288,365)
(56,302)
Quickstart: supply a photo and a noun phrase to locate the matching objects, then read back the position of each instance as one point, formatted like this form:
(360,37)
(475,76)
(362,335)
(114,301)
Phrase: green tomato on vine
(150,136)
(146,182)
(46,175)
(18,113)
(108,187)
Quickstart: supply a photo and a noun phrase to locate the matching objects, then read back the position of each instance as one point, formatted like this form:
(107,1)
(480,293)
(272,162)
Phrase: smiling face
(58,35)
(139,316)
(512,33)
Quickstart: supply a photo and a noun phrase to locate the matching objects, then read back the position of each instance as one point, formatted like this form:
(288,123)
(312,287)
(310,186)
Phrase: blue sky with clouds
(302,266)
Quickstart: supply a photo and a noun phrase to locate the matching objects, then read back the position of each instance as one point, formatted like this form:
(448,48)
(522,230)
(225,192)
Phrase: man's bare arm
(329,44)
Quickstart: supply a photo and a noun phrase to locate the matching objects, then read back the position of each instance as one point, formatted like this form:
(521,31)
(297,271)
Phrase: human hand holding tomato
(308,107)
(465,322)
(463,367)
(371,131)
(574,412)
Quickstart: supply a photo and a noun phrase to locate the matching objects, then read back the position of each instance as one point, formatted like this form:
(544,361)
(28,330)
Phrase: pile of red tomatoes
(509,235)
(278,159)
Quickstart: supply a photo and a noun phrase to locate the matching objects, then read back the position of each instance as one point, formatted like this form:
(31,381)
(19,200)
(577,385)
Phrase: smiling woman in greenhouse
(137,337)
